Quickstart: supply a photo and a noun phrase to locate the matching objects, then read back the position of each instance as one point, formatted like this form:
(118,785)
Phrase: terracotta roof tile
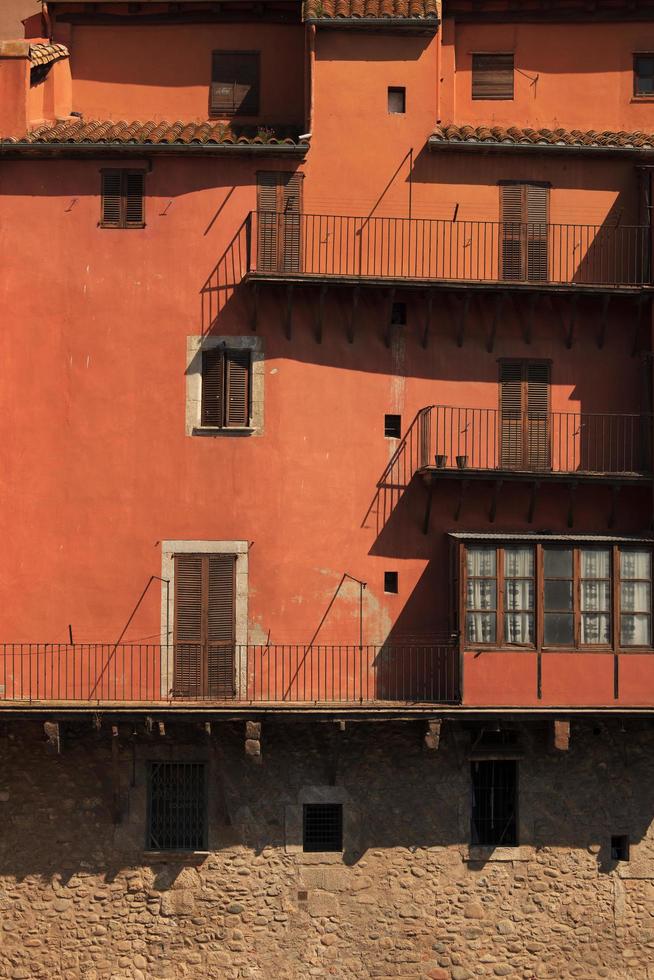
(45,54)
(71,132)
(451,135)
(373,9)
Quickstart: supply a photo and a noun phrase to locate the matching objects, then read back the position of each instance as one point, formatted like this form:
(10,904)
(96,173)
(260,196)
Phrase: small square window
(391,582)
(322,827)
(393,426)
(396,100)
(644,75)
(177,806)
(620,847)
(398,314)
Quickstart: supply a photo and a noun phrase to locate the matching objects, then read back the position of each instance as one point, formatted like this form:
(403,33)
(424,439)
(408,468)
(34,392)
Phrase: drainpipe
(311,60)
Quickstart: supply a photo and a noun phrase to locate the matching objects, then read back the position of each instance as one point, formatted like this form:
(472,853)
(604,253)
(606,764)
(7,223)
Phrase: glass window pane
(635,563)
(482,593)
(595,628)
(519,562)
(519,628)
(595,596)
(519,594)
(645,85)
(558,628)
(635,596)
(645,66)
(636,630)
(480,561)
(595,562)
(481,627)
(558,595)
(558,562)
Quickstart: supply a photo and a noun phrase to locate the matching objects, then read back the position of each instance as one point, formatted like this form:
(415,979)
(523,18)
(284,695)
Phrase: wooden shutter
(511,415)
(111,199)
(234,83)
(536,215)
(237,385)
(538,415)
(267,208)
(133,183)
(524,213)
(188,626)
(220,625)
(492,76)
(525,415)
(213,387)
(292,211)
(204,626)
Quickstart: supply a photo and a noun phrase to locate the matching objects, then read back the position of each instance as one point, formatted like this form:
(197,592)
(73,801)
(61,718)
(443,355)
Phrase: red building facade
(327,356)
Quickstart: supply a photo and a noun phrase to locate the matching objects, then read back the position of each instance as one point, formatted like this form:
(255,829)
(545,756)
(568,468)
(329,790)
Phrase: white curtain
(595,563)
(595,596)
(519,594)
(481,627)
(480,561)
(635,597)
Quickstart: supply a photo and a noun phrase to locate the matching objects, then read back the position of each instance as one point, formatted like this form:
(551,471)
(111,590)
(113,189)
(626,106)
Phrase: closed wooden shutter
(111,199)
(492,76)
(133,181)
(279,207)
(188,626)
(213,387)
(235,83)
(524,215)
(123,199)
(220,625)
(204,626)
(525,415)
(538,415)
(511,415)
(237,383)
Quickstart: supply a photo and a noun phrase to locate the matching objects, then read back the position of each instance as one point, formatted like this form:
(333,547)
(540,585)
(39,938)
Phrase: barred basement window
(226,384)
(492,76)
(123,199)
(322,827)
(177,806)
(495,802)
(235,85)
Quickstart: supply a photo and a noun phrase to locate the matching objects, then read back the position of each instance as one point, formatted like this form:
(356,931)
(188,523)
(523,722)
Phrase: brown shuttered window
(226,382)
(123,199)
(525,415)
(279,207)
(492,76)
(204,632)
(524,215)
(234,83)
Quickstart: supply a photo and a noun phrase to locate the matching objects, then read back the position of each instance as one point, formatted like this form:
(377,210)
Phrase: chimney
(14,88)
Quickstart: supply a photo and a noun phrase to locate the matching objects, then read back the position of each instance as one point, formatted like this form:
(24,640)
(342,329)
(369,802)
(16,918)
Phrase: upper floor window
(558,595)
(644,75)
(123,199)
(492,76)
(226,383)
(235,83)
(524,215)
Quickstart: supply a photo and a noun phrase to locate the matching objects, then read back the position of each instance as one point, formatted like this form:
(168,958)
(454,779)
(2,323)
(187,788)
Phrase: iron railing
(456,251)
(559,442)
(274,674)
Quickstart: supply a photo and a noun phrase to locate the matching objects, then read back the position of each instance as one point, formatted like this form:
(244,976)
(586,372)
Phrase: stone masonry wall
(409,898)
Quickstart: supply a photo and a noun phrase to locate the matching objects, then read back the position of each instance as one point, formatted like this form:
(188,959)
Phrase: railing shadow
(225,276)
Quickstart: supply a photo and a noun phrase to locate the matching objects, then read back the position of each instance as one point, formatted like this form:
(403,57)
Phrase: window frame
(645,96)
(576,646)
(255,55)
(123,173)
(478,70)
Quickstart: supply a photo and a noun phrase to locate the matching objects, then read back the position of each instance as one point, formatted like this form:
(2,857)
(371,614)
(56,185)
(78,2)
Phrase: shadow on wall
(401,794)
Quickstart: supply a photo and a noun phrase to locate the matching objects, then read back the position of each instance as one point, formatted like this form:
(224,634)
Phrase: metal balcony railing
(558,442)
(452,251)
(96,673)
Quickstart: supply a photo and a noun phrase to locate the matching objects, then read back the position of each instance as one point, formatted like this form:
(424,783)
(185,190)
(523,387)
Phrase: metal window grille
(323,827)
(494,802)
(177,806)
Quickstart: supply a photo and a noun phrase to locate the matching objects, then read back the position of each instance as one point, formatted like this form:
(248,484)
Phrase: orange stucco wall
(98,467)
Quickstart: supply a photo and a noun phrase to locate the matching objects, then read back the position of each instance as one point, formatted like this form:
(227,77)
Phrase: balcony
(228,676)
(431,252)
(466,442)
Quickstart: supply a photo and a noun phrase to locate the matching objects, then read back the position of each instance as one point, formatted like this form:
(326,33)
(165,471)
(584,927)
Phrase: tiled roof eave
(65,149)
(426,25)
(438,144)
